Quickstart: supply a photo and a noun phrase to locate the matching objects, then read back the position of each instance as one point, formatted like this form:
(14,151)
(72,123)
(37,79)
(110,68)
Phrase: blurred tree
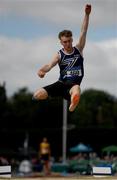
(96,109)
(29,114)
(3,104)
(19,114)
(23,109)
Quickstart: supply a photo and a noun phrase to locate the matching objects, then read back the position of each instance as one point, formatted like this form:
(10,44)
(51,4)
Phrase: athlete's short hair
(66,33)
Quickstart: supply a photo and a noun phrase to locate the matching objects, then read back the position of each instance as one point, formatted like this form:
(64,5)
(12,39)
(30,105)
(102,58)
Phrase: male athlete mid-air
(70,60)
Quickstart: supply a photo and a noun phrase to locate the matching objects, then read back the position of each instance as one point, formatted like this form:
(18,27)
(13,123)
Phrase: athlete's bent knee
(40,94)
(75,90)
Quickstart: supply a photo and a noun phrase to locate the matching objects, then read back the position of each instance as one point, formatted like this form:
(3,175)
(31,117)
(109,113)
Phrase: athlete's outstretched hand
(41,73)
(87,9)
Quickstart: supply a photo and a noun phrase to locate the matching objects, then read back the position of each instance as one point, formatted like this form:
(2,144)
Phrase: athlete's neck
(68,51)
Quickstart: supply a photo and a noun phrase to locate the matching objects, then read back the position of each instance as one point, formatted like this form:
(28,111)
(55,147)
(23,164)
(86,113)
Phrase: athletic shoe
(74,103)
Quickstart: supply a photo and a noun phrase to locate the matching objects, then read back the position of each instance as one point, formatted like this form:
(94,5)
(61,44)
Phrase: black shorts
(45,157)
(59,89)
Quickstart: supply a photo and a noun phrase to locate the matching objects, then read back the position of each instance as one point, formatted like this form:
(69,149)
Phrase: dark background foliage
(94,121)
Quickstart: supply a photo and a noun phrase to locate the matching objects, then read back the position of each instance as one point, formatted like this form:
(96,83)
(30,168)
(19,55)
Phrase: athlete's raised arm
(82,38)
(41,72)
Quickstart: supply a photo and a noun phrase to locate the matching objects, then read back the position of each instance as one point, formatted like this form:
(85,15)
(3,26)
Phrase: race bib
(76,72)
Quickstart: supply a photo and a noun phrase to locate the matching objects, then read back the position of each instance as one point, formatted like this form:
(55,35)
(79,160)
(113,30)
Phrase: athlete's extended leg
(40,94)
(75,97)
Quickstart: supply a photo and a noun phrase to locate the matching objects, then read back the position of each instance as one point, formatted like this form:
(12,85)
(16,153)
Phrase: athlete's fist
(41,73)
(88,9)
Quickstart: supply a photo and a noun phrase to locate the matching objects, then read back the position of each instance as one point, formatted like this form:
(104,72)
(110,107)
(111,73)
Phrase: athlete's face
(66,42)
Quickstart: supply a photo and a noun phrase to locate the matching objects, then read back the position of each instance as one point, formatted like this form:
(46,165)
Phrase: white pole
(64,130)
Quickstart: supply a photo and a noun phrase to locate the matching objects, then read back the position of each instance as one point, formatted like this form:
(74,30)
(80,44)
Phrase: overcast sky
(28,40)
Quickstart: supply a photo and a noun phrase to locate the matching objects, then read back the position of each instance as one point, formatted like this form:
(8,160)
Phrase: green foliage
(96,109)
(19,114)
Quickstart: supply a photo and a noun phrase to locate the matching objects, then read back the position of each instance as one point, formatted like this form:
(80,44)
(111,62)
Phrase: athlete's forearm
(86,19)
(84,27)
(85,24)
(49,66)
(46,68)
(41,73)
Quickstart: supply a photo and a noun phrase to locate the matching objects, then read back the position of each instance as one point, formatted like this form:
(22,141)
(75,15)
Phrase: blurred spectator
(25,167)
(44,154)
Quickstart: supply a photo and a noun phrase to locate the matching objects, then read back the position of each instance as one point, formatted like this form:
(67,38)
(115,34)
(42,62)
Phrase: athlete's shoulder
(56,57)
(61,53)
(77,49)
